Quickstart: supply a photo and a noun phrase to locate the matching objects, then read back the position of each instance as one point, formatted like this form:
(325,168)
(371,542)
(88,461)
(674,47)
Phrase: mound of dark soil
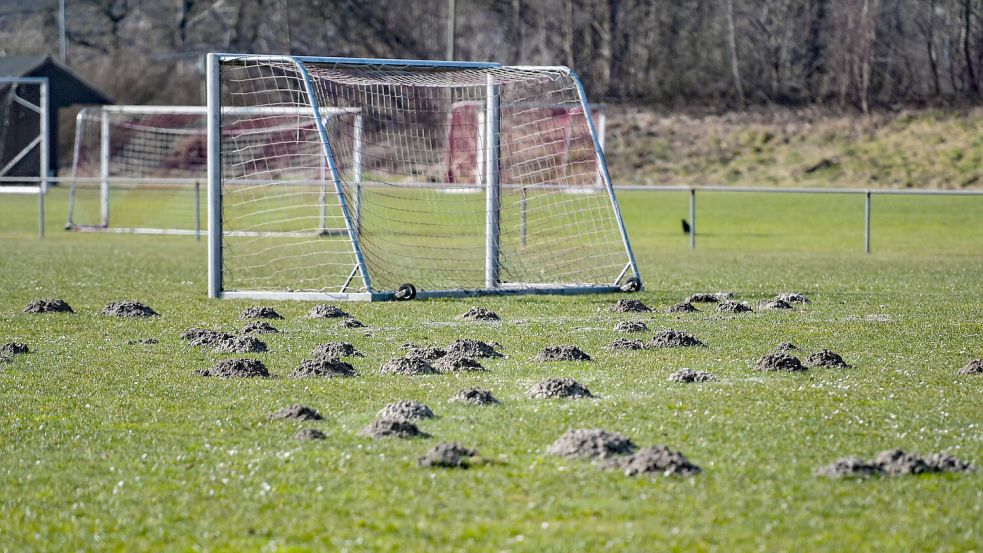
(143,341)
(895,462)
(326,312)
(792,297)
(475,396)
(690,375)
(309,434)
(849,466)
(559,387)
(785,347)
(389,428)
(826,359)
(236,368)
(473,348)
(733,307)
(205,337)
(454,362)
(975,366)
(407,366)
(11,349)
(337,350)
(323,367)
(670,338)
(448,455)
(480,314)
(239,344)
(593,443)
(775,304)
(48,306)
(260,312)
(407,410)
(625,343)
(708,297)
(630,306)
(259,327)
(428,353)
(683,307)
(352,322)
(779,362)
(631,326)
(561,353)
(296,413)
(128,309)
(656,459)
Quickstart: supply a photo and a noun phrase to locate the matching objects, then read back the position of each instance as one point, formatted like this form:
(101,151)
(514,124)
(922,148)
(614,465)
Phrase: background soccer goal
(543,224)
(24,138)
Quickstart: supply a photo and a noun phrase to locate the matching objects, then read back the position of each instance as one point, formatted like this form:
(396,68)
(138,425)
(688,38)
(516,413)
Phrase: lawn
(111,446)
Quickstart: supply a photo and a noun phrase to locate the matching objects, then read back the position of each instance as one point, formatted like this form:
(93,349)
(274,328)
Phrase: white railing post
(867,222)
(492,201)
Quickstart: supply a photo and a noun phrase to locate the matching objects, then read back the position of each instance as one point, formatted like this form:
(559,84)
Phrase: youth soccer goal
(24,139)
(400,234)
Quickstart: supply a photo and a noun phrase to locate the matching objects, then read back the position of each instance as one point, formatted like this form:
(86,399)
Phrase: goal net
(546,220)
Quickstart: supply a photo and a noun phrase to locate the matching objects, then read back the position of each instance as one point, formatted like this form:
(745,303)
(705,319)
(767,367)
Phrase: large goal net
(545,219)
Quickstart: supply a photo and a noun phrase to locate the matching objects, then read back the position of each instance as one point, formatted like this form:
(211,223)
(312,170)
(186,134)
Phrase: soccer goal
(142,169)
(522,135)
(24,139)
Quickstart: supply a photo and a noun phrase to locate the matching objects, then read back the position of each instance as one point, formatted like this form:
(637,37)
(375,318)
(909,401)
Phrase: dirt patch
(143,342)
(480,314)
(593,443)
(310,434)
(260,312)
(259,327)
(406,410)
(428,353)
(48,306)
(709,297)
(457,363)
(205,337)
(474,348)
(849,466)
(630,306)
(733,307)
(323,367)
(129,309)
(352,322)
(785,347)
(631,326)
(557,388)
(475,396)
(670,338)
(561,353)
(11,349)
(239,344)
(771,362)
(656,459)
(326,312)
(388,428)
(775,304)
(975,366)
(337,350)
(448,455)
(826,359)
(792,297)
(407,366)
(236,368)
(296,413)
(683,307)
(625,343)
(895,462)
(690,375)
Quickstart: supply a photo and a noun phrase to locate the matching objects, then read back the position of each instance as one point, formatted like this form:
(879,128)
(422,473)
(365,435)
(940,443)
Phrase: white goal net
(545,221)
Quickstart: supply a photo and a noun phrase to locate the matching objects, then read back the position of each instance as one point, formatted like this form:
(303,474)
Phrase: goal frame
(492,187)
(40,188)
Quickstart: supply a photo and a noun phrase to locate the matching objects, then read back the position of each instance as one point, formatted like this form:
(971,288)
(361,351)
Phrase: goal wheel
(406,292)
(633,284)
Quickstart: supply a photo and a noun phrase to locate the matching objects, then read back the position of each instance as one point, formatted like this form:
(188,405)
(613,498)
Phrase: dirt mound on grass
(259,327)
(143,342)
(733,307)
(388,428)
(561,353)
(895,462)
(848,466)
(352,322)
(684,307)
(785,347)
(236,368)
(260,312)
(630,306)
(690,375)
(11,349)
(428,353)
(310,434)
(709,297)
(656,459)
(453,362)
(326,312)
(205,337)
(48,306)
(337,350)
(631,326)
(771,362)
(792,297)
(670,338)
(826,359)
(296,413)
(239,344)
(975,366)
(475,396)
(775,304)
(128,309)
(448,455)
(593,443)
(323,367)
(480,314)
(559,388)
(407,366)
(406,410)
(625,343)
(474,348)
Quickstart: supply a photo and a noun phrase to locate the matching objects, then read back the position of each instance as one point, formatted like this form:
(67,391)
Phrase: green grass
(108,446)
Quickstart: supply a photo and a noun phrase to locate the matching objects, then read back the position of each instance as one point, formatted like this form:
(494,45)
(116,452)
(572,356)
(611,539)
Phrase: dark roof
(46,66)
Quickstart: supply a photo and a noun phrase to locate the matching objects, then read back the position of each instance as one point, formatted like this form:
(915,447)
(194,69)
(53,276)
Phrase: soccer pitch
(108,445)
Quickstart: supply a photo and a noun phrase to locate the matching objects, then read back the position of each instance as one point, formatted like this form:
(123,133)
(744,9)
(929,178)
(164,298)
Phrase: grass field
(110,446)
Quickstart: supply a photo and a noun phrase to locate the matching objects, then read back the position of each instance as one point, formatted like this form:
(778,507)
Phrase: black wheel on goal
(406,292)
(633,284)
